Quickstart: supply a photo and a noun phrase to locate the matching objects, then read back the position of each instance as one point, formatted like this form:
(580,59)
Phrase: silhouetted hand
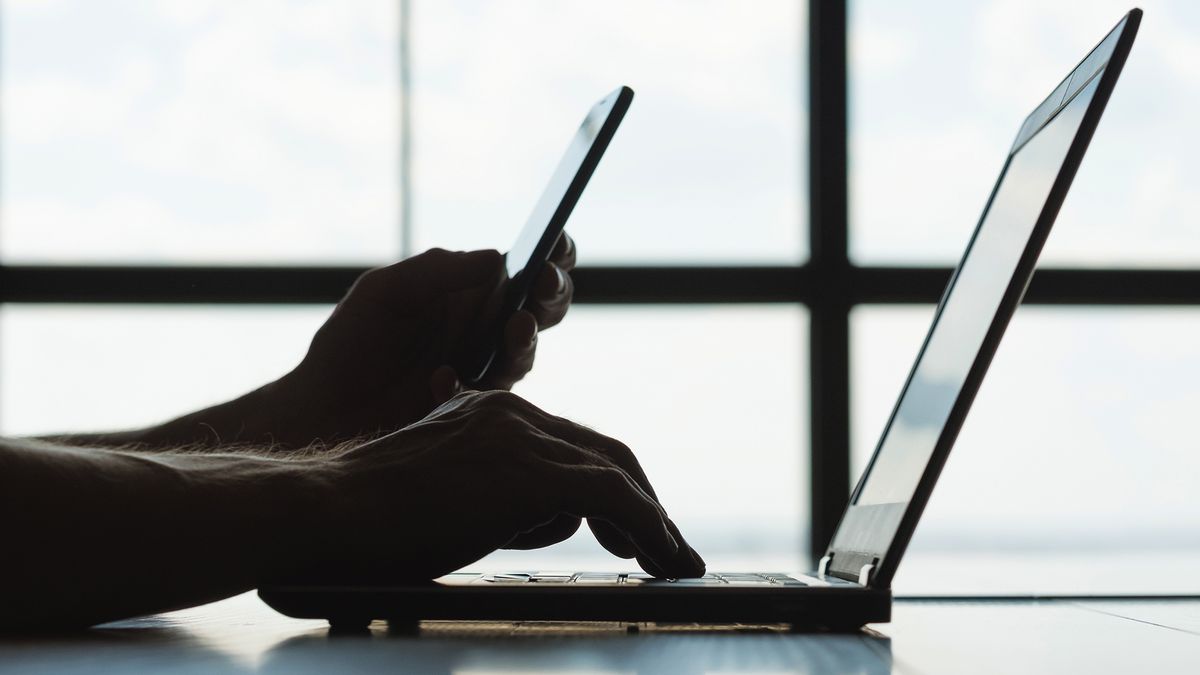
(381,361)
(488,470)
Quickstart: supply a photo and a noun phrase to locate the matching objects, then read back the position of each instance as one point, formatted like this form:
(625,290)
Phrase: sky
(266,132)
(940,91)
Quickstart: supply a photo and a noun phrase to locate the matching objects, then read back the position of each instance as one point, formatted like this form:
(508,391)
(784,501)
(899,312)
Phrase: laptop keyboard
(609,579)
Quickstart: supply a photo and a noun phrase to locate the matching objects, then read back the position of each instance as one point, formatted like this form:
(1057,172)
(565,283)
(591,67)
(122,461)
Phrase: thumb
(444,384)
(455,270)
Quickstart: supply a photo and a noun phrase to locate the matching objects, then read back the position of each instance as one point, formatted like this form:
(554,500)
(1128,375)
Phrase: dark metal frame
(829,284)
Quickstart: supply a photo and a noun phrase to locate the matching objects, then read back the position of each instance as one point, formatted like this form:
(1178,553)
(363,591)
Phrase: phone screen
(535,243)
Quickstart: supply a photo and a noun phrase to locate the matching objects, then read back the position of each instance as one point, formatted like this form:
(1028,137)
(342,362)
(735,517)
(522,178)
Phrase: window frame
(828,283)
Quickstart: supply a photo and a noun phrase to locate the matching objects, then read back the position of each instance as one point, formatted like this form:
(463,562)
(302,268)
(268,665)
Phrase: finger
(609,494)
(562,528)
(614,451)
(464,314)
(551,296)
(581,448)
(444,384)
(612,539)
(563,254)
(687,563)
(516,356)
(690,562)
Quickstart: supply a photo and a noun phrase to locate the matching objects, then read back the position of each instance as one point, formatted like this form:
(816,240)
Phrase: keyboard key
(703,581)
(598,579)
(507,578)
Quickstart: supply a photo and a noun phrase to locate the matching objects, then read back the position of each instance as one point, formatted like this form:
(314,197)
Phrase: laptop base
(468,597)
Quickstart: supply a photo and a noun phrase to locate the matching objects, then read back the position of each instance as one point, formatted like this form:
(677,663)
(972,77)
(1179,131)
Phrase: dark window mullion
(594,285)
(829,358)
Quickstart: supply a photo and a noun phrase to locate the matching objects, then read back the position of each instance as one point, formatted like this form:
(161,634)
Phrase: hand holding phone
(528,255)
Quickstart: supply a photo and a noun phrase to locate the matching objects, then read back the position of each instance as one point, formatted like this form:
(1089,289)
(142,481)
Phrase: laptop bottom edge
(809,608)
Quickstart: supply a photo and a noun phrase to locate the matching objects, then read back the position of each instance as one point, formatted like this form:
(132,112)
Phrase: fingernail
(561,279)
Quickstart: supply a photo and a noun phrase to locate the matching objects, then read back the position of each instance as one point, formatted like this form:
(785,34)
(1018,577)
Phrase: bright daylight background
(177,132)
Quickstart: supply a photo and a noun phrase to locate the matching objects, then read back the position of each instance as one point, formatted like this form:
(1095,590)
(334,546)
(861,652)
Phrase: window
(174,133)
(1074,461)
(218,173)
(760,249)
(707,166)
(938,90)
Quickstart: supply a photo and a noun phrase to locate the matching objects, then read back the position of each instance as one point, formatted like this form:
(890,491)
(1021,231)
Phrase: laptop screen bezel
(848,564)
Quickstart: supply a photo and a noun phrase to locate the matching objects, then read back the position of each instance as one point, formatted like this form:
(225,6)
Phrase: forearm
(97,535)
(268,417)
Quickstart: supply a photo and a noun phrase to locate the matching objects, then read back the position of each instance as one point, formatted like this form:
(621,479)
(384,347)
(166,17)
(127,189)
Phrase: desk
(929,636)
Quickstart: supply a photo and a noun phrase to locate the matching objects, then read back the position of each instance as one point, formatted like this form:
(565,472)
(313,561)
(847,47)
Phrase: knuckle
(622,453)
(493,410)
(614,479)
(369,278)
(500,399)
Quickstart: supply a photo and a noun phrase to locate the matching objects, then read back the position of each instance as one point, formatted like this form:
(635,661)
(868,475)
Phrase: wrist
(298,516)
(259,418)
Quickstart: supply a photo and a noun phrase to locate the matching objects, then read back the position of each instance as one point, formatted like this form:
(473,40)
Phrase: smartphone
(534,245)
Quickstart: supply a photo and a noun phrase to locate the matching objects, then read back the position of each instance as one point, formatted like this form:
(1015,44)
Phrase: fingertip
(699,566)
(551,282)
(564,252)
(522,329)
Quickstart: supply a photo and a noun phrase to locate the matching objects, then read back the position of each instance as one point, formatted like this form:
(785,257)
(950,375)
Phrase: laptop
(852,585)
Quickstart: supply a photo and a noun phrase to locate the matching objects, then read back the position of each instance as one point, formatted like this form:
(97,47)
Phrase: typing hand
(488,470)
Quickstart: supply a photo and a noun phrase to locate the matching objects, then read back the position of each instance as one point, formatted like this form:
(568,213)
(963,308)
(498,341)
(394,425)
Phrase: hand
(381,360)
(488,470)
(548,304)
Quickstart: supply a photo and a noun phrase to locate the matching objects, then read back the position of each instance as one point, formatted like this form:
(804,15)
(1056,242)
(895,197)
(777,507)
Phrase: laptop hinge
(851,566)
(864,574)
(823,566)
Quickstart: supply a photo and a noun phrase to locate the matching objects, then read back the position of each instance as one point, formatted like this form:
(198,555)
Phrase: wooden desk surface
(243,635)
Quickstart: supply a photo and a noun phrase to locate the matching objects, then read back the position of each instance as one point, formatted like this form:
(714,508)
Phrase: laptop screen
(968,310)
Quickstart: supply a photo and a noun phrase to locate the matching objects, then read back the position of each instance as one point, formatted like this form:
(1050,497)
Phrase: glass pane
(199,132)
(939,89)
(713,400)
(707,166)
(75,368)
(1076,460)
